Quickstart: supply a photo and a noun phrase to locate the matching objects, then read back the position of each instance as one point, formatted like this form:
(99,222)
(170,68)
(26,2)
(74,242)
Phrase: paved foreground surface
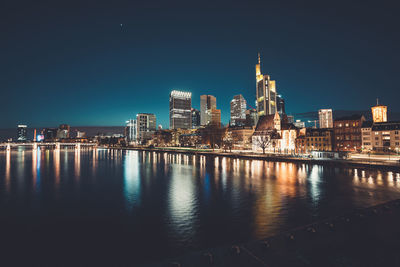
(367,237)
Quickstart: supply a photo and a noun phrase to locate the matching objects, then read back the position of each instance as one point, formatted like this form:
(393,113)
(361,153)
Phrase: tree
(228,141)
(267,138)
(263,142)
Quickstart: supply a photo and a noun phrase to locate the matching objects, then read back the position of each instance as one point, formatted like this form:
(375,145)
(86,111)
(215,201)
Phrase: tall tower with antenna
(265,92)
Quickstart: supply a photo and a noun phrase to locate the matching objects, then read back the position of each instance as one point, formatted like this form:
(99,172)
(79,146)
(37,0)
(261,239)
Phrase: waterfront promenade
(354,161)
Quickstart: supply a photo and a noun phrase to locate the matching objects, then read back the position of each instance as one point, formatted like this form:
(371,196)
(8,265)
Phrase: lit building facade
(238,110)
(325,118)
(265,92)
(347,132)
(280,105)
(22,132)
(195,118)
(299,124)
(145,126)
(215,117)
(180,110)
(313,139)
(207,103)
(381,136)
(63,131)
(379,113)
(251,117)
(130,131)
(276,136)
(241,137)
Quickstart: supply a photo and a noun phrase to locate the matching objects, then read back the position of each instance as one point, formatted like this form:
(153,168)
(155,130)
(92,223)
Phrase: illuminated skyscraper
(379,112)
(180,110)
(238,110)
(130,131)
(145,126)
(280,105)
(207,104)
(325,118)
(22,132)
(63,131)
(195,118)
(215,117)
(265,91)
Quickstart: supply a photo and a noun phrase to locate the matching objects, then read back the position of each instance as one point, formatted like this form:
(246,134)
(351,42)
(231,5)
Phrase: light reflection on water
(183,201)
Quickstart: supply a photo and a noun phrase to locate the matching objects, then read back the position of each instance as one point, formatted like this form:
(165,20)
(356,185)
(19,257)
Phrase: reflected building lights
(56,159)
(182,201)
(8,171)
(131,179)
(77,164)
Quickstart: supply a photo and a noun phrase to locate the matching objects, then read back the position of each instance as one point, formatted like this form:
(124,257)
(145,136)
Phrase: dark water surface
(109,207)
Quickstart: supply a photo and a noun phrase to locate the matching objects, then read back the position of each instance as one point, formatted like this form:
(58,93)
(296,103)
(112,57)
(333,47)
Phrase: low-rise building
(313,139)
(274,135)
(381,136)
(347,131)
(241,137)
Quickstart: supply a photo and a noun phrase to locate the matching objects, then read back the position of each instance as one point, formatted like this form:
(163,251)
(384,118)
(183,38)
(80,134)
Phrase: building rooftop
(350,118)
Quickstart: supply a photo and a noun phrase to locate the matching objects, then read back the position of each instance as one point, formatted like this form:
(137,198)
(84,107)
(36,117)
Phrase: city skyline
(101,71)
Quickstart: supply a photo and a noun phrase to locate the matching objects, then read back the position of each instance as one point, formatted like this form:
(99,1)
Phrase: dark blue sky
(72,62)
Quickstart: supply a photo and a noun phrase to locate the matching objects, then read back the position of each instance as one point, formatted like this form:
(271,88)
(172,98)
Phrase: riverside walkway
(363,162)
(364,237)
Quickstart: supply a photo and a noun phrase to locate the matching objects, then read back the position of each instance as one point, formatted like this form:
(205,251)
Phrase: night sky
(73,62)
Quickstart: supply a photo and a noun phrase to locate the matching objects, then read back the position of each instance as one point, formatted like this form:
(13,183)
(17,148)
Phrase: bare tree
(228,141)
(263,142)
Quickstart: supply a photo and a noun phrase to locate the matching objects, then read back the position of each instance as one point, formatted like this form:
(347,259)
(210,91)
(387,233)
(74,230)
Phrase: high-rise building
(180,110)
(207,103)
(238,110)
(195,118)
(290,118)
(379,112)
(280,105)
(215,117)
(49,134)
(265,91)
(145,126)
(251,117)
(130,131)
(21,131)
(347,132)
(63,131)
(325,118)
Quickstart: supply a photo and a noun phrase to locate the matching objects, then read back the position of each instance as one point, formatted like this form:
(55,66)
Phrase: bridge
(56,145)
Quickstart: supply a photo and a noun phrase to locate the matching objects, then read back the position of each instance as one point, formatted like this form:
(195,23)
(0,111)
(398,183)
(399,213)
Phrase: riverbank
(345,163)
(364,237)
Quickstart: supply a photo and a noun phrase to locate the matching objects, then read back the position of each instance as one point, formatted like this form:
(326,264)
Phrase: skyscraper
(325,118)
(63,131)
(130,130)
(21,132)
(180,110)
(280,105)
(145,126)
(215,117)
(265,91)
(195,118)
(207,103)
(238,110)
